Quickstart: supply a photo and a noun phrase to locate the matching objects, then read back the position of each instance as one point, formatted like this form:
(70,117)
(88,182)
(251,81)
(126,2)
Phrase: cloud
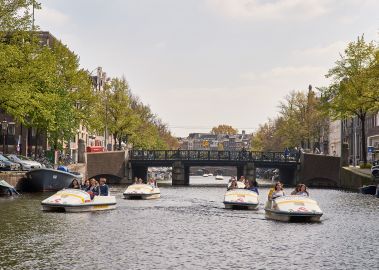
(160,45)
(332,49)
(288,73)
(46,17)
(270,10)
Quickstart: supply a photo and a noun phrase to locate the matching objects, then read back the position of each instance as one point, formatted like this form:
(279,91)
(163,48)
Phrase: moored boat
(45,179)
(241,199)
(7,189)
(370,189)
(293,208)
(205,175)
(219,177)
(142,192)
(76,200)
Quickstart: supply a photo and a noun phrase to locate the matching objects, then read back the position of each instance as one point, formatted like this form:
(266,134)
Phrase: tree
(16,15)
(300,112)
(224,129)
(266,137)
(350,93)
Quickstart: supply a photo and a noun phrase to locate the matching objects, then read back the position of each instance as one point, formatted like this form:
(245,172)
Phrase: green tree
(16,15)
(350,93)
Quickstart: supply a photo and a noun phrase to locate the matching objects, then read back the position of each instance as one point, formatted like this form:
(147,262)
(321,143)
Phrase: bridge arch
(321,182)
(111,165)
(111,178)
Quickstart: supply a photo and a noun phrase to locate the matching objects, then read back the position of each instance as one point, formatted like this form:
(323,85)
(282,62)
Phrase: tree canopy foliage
(224,129)
(42,86)
(300,123)
(353,91)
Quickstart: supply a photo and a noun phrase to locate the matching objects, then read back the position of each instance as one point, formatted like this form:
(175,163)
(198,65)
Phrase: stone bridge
(123,166)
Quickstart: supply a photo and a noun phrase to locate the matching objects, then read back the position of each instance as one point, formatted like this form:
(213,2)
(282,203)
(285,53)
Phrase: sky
(201,63)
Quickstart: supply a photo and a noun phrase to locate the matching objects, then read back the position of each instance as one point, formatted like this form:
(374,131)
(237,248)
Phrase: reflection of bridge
(181,160)
(122,167)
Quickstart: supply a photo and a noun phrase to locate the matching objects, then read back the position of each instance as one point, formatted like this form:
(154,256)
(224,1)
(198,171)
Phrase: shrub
(365,166)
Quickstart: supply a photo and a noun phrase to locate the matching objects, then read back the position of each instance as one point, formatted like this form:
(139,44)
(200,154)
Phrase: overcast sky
(200,63)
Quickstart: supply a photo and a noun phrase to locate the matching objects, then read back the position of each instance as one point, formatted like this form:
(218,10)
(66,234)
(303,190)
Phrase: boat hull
(247,206)
(141,192)
(292,217)
(371,189)
(293,209)
(45,179)
(241,199)
(73,200)
(130,196)
(77,208)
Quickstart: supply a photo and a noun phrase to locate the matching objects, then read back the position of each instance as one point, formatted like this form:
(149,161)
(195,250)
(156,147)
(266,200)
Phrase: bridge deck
(205,157)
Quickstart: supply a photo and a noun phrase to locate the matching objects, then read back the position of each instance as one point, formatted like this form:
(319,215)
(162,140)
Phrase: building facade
(209,141)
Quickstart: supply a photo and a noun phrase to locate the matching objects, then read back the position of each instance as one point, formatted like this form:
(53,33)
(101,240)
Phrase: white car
(25,163)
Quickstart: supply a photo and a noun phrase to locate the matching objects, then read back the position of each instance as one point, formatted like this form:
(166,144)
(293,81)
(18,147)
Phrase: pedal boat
(219,177)
(241,199)
(141,192)
(293,208)
(76,200)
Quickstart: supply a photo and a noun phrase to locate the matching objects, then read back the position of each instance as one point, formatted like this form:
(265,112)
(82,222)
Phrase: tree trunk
(363,137)
(36,143)
(119,142)
(115,141)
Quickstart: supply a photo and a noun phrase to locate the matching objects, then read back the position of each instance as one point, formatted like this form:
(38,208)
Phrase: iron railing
(211,155)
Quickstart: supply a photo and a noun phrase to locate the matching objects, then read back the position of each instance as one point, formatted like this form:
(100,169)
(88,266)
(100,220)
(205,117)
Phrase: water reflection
(188,228)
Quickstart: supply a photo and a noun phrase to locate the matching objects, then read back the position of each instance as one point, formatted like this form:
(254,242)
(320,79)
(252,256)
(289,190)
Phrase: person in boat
(140,181)
(303,190)
(296,190)
(86,185)
(242,179)
(94,188)
(103,187)
(152,183)
(233,185)
(253,186)
(276,192)
(74,184)
(136,180)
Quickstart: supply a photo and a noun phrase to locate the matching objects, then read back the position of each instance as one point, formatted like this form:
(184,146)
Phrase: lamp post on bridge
(4,128)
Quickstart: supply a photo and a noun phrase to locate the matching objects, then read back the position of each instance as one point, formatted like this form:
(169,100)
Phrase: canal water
(188,228)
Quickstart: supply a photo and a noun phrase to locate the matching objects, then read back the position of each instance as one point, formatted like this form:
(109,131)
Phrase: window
(11,128)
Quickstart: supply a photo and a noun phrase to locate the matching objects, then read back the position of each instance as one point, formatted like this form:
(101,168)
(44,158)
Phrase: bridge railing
(211,155)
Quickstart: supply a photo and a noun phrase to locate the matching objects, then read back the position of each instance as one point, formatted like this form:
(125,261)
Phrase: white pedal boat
(241,199)
(142,191)
(76,200)
(293,208)
(219,177)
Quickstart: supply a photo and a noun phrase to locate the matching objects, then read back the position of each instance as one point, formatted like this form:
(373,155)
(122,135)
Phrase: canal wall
(13,178)
(353,179)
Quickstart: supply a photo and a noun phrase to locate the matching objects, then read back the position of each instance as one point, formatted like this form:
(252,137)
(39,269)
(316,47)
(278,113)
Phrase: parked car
(25,163)
(9,165)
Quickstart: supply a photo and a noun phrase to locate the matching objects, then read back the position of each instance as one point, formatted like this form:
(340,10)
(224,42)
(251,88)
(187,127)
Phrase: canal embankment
(353,178)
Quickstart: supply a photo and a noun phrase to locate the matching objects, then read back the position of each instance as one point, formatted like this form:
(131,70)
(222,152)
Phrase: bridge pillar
(139,172)
(180,174)
(250,171)
(287,176)
(240,172)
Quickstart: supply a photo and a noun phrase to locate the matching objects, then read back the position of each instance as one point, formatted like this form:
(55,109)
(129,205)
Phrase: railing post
(209,155)
(228,155)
